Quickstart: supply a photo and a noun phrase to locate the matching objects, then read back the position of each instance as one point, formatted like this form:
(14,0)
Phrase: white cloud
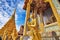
(1,26)
(3,19)
(20,7)
(17,27)
(0,1)
(3,22)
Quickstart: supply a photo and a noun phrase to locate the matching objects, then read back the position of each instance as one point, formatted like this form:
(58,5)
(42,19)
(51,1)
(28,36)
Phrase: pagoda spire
(9,26)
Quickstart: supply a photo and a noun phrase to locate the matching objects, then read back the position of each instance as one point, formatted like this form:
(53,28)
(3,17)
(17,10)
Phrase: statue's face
(33,16)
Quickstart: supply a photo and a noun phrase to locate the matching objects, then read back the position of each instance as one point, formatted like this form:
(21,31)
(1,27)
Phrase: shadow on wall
(59,1)
(0,38)
(55,35)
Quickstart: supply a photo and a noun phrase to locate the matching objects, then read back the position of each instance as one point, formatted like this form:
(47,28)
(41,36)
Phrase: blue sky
(6,10)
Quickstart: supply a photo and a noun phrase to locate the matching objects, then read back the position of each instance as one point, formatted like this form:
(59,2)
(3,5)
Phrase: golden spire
(10,25)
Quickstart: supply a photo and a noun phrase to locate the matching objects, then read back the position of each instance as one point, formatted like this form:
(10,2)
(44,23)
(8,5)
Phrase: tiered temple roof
(41,5)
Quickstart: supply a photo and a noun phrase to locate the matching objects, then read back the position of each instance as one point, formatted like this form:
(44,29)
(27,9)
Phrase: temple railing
(51,38)
(44,38)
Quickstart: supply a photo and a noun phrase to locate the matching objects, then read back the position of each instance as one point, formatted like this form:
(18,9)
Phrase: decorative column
(27,16)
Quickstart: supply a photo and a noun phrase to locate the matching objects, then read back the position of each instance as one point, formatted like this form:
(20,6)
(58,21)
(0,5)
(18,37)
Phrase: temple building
(42,16)
(42,22)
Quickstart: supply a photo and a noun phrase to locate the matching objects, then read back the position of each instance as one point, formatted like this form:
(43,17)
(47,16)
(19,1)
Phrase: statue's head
(33,15)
